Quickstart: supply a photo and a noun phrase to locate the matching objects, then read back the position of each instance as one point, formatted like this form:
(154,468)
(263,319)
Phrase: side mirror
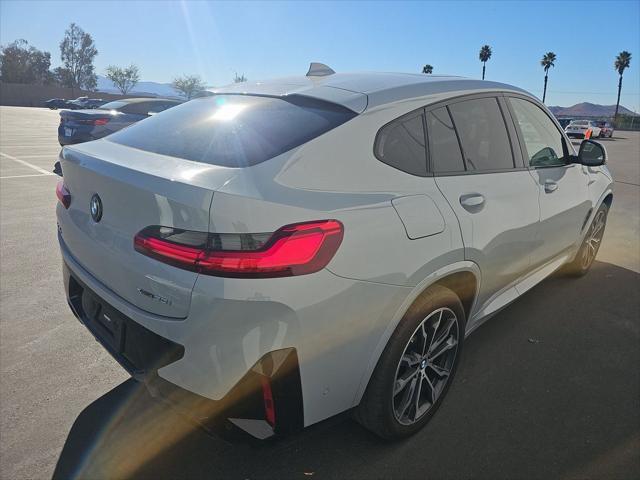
(592,154)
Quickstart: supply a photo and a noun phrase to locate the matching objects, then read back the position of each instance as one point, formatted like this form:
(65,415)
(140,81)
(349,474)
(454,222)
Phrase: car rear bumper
(331,327)
(142,352)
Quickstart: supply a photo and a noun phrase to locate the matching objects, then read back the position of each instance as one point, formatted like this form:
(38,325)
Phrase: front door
(563,186)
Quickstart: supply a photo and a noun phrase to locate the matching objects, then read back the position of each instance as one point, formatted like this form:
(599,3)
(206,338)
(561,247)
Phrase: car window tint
(159,107)
(138,108)
(444,150)
(483,134)
(234,130)
(401,145)
(542,138)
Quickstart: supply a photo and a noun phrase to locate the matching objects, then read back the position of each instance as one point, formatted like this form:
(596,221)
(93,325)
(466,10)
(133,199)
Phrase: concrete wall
(24,95)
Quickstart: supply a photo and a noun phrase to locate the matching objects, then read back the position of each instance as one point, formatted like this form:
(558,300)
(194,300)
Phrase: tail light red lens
(91,121)
(296,249)
(63,194)
(267,400)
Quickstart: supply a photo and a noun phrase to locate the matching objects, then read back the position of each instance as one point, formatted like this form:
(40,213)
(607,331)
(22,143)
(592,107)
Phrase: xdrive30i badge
(96,207)
(153,296)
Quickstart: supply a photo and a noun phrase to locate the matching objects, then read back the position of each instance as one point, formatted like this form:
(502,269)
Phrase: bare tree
(124,78)
(239,79)
(428,69)
(77,51)
(188,85)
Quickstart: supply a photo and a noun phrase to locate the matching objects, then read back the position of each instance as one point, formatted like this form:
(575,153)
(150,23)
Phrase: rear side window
(483,134)
(444,149)
(234,130)
(401,144)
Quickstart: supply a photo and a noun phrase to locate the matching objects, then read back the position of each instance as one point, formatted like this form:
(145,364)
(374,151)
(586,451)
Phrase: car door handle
(472,201)
(550,186)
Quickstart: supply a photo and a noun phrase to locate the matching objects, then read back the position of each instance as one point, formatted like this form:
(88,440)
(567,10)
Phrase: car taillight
(296,249)
(267,400)
(63,194)
(93,121)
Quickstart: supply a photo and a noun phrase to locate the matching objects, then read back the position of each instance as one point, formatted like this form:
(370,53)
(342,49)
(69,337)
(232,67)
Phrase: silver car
(280,252)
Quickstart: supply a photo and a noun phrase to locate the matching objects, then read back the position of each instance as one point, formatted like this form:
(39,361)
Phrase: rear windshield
(234,130)
(580,123)
(114,105)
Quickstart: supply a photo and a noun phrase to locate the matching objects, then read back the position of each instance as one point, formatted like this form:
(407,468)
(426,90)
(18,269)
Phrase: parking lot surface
(549,388)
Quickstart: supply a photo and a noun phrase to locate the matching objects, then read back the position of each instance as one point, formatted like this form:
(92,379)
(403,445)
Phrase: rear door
(563,186)
(482,176)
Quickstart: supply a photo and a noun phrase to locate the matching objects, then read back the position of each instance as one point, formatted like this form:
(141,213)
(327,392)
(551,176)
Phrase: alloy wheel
(593,239)
(426,366)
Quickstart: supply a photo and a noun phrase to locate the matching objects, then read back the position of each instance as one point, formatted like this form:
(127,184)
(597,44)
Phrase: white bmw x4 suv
(281,252)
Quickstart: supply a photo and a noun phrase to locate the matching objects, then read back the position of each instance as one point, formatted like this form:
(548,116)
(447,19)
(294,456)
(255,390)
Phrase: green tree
(239,79)
(484,55)
(188,85)
(62,77)
(22,63)
(124,78)
(77,51)
(547,62)
(621,64)
(428,69)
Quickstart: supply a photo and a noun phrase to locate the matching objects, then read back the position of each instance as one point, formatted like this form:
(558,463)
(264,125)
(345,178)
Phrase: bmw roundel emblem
(96,207)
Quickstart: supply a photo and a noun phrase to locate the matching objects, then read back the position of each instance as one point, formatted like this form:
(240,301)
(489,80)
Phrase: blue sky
(270,39)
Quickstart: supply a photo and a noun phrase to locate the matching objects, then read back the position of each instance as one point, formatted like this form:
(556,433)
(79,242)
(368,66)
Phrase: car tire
(590,244)
(435,326)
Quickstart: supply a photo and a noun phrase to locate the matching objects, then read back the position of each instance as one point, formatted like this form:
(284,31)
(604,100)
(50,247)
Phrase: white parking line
(30,175)
(27,164)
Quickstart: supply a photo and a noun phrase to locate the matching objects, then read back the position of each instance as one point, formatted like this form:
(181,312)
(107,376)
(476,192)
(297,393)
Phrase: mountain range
(586,109)
(146,88)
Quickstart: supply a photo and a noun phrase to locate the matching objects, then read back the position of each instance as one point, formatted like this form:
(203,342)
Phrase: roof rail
(319,70)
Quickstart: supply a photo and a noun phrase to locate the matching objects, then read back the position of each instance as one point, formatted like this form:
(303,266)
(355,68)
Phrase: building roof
(359,91)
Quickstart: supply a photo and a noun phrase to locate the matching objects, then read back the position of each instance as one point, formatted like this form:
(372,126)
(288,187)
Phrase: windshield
(234,130)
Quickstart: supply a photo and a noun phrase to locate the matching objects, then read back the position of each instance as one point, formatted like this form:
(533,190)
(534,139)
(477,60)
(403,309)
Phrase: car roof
(359,91)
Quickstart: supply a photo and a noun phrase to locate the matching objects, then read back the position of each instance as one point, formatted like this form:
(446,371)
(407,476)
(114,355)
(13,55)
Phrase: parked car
(78,126)
(606,129)
(285,251)
(583,129)
(56,103)
(78,103)
(564,121)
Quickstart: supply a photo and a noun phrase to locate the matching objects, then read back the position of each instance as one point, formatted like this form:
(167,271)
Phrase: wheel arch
(463,278)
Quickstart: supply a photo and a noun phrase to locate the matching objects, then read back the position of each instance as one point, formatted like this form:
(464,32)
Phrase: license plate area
(105,319)
(139,350)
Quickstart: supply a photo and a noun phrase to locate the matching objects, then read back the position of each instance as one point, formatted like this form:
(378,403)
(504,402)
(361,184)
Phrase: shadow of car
(549,388)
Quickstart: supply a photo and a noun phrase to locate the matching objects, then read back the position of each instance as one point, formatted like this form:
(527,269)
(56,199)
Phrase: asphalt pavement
(549,388)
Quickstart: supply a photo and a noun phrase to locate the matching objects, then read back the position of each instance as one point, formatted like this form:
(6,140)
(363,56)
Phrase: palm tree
(547,63)
(485,54)
(622,62)
(427,69)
